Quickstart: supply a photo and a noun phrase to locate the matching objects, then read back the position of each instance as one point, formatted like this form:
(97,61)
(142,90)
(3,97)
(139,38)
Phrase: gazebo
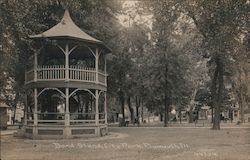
(66,84)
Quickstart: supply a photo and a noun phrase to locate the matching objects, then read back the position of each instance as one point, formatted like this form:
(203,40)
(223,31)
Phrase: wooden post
(35,132)
(97,64)
(67,100)
(67,114)
(97,128)
(67,62)
(105,70)
(35,107)
(105,108)
(35,66)
(96,107)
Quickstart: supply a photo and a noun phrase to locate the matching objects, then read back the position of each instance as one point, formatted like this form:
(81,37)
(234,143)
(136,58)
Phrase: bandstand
(66,84)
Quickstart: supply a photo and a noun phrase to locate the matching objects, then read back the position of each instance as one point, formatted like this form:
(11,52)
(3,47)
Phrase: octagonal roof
(66,28)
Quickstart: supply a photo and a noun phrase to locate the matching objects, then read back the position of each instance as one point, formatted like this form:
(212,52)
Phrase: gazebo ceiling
(67,29)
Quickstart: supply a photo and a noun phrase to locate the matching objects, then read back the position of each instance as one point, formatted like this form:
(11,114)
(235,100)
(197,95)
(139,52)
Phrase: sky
(130,11)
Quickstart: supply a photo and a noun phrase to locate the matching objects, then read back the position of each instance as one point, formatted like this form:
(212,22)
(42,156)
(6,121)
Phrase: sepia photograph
(124,80)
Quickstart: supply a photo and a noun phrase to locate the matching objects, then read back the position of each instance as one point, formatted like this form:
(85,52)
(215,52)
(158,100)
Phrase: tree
(168,63)
(219,22)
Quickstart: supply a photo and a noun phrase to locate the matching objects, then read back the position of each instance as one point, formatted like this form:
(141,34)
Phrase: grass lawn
(136,143)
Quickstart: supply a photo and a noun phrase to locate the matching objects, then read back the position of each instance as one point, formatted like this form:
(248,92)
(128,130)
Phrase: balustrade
(58,72)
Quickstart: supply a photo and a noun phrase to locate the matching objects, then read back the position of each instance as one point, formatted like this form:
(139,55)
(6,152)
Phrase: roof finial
(66,18)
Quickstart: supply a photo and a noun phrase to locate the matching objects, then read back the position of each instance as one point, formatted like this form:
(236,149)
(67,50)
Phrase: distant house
(4,117)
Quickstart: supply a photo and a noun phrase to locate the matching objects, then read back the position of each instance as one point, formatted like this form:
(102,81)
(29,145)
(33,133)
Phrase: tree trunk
(161,117)
(191,115)
(122,101)
(142,113)
(218,99)
(131,110)
(166,108)
(180,115)
(212,110)
(14,116)
(241,105)
(166,96)
(137,105)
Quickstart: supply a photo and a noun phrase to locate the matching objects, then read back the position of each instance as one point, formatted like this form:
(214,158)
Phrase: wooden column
(67,62)
(96,107)
(105,108)
(97,64)
(35,66)
(105,70)
(67,114)
(35,107)
(97,128)
(35,120)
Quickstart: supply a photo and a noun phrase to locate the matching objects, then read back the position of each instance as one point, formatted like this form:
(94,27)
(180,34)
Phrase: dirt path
(135,144)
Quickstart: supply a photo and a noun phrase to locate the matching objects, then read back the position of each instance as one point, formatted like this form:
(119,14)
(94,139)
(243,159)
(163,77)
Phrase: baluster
(63,72)
(53,73)
(70,73)
(45,74)
(74,71)
(84,75)
(47,70)
(52,69)
(78,75)
(56,73)
(60,73)
(41,74)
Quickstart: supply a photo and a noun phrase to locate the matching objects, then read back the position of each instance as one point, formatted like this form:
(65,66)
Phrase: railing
(59,72)
(86,118)
(30,118)
(54,118)
(101,78)
(82,74)
(50,118)
(29,75)
(53,72)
